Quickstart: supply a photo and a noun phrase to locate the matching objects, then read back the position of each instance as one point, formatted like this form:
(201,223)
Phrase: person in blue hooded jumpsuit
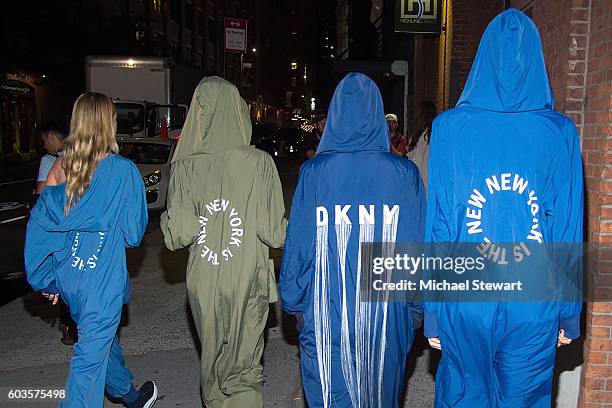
(504,167)
(352,350)
(81,256)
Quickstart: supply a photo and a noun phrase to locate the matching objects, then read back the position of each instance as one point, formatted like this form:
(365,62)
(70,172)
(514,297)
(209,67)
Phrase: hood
(509,73)
(356,118)
(218,119)
(92,211)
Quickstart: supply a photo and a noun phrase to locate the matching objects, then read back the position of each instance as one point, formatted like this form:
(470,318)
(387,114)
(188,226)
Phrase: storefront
(17,116)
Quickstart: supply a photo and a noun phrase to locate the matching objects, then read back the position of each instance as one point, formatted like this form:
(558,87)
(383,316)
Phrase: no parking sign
(235,34)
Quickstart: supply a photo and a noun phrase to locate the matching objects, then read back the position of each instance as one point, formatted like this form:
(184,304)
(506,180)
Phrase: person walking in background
(398,141)
(225,203)
(312,141)
(352,349)
(418,148)
(53,135)
(92,209)
(504,167)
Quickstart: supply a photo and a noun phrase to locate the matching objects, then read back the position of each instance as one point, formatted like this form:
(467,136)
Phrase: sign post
(235,39)
(418,16)
(235,34)
(400,68)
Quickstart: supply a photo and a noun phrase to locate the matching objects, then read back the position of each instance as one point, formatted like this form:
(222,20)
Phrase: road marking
(15,182)
(11,205)
(13,219)
(14,275)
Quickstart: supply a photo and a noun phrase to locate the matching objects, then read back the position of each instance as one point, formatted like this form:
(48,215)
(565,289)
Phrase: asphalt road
(14,198)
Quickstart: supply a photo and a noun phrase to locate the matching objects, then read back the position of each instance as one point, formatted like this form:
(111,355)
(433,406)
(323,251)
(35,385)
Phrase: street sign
(399,68)
(418,16)
(235,34)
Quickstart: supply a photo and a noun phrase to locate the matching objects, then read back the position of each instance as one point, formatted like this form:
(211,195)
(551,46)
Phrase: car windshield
(130,118)
(145,153)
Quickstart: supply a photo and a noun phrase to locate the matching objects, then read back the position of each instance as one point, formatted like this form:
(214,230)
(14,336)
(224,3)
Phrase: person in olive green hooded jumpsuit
(225,203)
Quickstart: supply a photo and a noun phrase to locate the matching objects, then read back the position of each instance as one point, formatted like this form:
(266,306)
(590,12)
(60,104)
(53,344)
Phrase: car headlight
(152,179)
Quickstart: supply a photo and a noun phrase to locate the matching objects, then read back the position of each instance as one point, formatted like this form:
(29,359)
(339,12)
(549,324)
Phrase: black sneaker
(147,395)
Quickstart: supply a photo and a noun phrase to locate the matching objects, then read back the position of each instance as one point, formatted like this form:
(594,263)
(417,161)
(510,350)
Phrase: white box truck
(150,92)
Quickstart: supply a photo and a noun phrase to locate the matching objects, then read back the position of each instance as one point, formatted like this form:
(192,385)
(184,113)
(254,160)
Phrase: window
(189,15)
(293,82)
(212,30)
(130,118)
(173,115)
(140,35)
(187,54)
(145,153)
(176,10)
(210,63)
(157,6)
(294,65)
(201,23)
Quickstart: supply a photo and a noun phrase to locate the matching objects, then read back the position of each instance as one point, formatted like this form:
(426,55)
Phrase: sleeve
(298,254)
(568,230)
(46,162)
(179,223)
(437,227)
(271,224)
(40,245)
(419,235)
(134,217)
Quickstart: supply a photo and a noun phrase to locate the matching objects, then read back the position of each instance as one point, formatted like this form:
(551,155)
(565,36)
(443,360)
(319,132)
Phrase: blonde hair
(92,137)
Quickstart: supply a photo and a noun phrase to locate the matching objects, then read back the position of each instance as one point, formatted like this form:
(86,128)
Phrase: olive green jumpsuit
(225,203)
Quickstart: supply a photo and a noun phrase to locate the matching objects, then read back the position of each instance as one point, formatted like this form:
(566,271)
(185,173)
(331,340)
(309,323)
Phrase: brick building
(192,33)
(577,40)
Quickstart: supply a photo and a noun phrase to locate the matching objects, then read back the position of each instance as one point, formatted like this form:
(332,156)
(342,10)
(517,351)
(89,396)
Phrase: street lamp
(254,49)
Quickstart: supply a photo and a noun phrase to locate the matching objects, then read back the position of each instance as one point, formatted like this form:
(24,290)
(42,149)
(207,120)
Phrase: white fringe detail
(321,313)
(363,344)
(389,236)
(343,233)
(363,376)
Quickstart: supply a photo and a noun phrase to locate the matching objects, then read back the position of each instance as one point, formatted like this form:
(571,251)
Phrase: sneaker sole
(152,400)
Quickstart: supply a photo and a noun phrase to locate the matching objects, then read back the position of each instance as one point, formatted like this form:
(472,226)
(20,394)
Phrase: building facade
(576,37)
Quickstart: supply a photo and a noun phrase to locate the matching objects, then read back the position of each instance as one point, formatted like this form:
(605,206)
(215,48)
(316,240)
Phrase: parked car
(152,156)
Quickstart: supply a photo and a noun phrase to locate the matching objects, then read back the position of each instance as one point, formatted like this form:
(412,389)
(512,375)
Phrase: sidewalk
(159,343)
(158,339)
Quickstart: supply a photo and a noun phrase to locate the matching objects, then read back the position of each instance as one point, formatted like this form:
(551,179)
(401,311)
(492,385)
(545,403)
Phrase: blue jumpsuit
(503,167)
(81,256)
(352,349)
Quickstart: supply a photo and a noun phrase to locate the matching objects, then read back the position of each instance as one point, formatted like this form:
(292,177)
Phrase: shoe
(147,395)
(67,337)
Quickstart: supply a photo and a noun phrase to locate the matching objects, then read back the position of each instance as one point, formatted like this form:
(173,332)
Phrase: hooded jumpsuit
(225,203)
(81,256)
(503,167)
(352,349)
